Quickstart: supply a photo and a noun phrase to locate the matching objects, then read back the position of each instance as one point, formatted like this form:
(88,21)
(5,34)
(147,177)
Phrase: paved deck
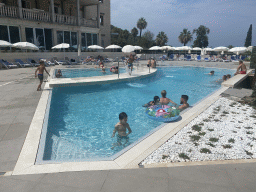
(18,102)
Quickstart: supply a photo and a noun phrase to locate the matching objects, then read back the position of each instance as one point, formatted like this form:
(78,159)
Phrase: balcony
(43,16)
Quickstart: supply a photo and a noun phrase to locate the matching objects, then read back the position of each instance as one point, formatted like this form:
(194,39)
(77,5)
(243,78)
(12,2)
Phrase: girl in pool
(155,102)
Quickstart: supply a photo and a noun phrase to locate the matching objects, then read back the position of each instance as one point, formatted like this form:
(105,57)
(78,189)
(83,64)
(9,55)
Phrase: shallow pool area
(82,119)
(76,73)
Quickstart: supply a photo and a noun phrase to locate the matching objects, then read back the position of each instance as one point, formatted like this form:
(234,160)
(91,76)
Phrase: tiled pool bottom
(135,86)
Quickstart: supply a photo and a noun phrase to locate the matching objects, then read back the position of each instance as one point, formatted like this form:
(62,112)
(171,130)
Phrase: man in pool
(164,100)
(121,127)
(183,102)
(41,70)
(241,67)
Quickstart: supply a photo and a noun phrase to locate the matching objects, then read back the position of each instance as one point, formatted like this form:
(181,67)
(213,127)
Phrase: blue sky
(228,20)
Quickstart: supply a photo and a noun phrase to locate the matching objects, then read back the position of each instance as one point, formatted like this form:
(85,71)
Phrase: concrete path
(18,102)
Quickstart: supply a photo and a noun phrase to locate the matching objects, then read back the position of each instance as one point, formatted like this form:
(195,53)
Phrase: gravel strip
(226,130)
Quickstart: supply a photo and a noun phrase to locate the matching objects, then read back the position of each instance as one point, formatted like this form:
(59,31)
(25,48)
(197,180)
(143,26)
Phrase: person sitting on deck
(183,102)
(241,67)
(164,100)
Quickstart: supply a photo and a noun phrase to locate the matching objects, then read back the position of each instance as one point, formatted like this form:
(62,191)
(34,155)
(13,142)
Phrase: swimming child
(211,73)
(41,68)
(228,76)
(121,127)
(103,70)
(156,101)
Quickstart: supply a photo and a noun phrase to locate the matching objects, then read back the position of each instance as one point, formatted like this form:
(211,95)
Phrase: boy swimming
(120,127)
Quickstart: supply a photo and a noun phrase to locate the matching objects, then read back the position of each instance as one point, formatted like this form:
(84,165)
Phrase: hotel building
(50,22)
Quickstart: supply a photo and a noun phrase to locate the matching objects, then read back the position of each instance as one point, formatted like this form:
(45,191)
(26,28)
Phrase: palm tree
(141,24)
(161,39)
(134,33)
(185,37)
(202,38)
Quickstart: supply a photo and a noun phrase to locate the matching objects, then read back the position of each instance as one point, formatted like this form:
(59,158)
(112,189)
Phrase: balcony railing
(29,14)
(88,23)
(65,19)
(9,11)
(40,15)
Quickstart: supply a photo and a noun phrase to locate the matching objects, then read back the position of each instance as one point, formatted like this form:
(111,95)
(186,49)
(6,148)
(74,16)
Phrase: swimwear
(130,64)
(242,72)
(41,77)
(119,138)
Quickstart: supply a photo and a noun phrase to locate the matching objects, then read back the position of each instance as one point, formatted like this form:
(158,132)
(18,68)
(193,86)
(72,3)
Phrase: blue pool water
(82,119)
(74,73)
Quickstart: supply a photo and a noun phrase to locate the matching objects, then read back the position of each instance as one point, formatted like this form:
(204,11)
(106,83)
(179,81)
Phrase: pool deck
(18,103)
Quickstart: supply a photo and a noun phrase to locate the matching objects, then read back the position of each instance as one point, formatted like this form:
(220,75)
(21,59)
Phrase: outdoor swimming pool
(82,118)
(75,73)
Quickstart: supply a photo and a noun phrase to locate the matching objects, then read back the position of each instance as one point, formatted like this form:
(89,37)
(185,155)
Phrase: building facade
(47,23)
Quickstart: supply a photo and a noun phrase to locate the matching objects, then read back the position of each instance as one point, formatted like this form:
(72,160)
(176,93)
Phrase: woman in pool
(156,101)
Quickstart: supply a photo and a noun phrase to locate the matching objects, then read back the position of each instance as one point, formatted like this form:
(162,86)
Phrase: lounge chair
(69,61)
(171,57)
(243,58)
(206,59)
(22,64)
(8,65)
(188,58)
(198,58)
(33,62)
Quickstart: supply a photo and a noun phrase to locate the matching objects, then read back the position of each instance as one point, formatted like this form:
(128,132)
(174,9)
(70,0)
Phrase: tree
(123,38)
(230,46)
(147,40)
(201,36)
(161,39)
(185,37)
(248,40)
(141,24)
(134,32)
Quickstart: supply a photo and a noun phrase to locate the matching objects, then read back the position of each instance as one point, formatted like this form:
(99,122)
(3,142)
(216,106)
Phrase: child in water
(155,102)
(121,127)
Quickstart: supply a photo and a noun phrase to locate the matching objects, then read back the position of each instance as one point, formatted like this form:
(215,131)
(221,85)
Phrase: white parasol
(5,44)
(25,45)
(95,47)
(113,47)
(62,46)
(128,49)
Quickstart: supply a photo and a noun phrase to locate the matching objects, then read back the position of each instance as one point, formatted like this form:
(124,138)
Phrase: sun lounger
(198,58)
(206,59)
(243,57)
(188,58)
(33,62)
(22,64)
(8,65)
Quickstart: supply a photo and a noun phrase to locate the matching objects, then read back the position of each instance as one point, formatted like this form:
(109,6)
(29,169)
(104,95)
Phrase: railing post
(20,9)
(78,12)
(149,65)
(98,16)
(52,10)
